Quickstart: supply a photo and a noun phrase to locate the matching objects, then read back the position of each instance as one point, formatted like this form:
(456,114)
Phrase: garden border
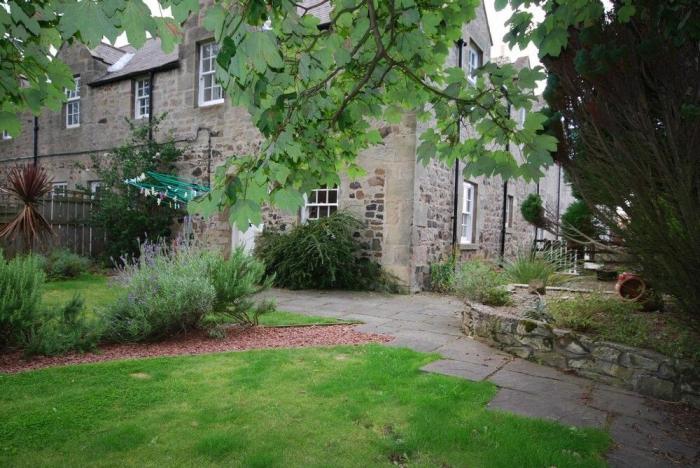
(644,371)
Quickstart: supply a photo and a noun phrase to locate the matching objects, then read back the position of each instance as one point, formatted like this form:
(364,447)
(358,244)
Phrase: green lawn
(98,292)
(344,406)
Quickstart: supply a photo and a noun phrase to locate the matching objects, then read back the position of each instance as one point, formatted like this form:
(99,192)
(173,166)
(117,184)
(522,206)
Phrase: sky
(497,22)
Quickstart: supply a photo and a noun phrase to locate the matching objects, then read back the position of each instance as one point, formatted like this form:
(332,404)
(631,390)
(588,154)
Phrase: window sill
(68,127)
(211,103)
(471,246)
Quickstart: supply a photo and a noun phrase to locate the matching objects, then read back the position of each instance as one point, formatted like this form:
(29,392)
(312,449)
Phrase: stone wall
(643,371)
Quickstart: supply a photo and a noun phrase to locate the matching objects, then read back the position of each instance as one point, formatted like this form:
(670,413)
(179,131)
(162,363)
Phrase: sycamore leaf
(10,122)
(287,199)
(243,213)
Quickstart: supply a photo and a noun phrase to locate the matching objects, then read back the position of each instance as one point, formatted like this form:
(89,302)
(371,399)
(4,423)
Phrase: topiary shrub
(532,210)
(321,254)
(62,263)
(479,280)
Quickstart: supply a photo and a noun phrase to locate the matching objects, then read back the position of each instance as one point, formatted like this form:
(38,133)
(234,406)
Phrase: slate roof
(150,57)
(107,53)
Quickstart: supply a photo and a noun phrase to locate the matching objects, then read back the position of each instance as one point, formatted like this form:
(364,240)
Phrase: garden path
(646,432)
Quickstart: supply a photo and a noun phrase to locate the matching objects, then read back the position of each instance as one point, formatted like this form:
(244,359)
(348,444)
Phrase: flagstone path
(647,433)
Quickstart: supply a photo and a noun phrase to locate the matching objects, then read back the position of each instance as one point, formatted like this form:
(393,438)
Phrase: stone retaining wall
(643,371)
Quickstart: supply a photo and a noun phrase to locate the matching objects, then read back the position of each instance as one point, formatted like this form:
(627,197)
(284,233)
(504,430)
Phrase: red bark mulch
(199,343)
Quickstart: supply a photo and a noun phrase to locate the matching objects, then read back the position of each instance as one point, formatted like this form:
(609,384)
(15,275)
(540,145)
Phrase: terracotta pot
(631,287)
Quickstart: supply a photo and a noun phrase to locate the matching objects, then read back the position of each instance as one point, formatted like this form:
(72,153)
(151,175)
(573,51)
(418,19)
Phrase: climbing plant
(122,211)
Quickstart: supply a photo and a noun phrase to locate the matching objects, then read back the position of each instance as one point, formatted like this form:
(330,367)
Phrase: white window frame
(59,189)
(311,201)
(522,115)
(206,69)
(6,135)
(469,193)
(94,186)
(142,98)
(475,59)
(510,206)
(73,105)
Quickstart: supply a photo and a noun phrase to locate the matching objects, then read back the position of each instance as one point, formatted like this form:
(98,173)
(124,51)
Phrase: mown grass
(99,291)
(343,406)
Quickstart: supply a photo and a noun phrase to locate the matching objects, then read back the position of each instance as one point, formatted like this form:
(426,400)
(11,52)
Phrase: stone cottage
(415,215)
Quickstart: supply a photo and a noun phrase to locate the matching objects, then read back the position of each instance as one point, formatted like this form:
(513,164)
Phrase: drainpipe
(558,196)
(534,242)
(36,140)
(504,209)
(151,83)
(460,47)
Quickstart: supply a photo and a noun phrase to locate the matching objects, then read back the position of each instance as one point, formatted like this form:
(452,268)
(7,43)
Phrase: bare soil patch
(237,339)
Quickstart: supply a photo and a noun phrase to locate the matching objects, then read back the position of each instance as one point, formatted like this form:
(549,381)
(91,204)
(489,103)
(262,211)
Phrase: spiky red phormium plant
(28,184)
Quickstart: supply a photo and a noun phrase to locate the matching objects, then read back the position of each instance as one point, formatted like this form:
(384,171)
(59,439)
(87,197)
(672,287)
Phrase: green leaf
(214,20)
(10,122)
(243,213)
(625,13)
(287,199)
(136,21)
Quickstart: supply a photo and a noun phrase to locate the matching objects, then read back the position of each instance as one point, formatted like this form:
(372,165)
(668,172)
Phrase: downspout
(558,196)
(151,83)
(36,140)
(460,46)
(534,242)
(504,209)
(209,154)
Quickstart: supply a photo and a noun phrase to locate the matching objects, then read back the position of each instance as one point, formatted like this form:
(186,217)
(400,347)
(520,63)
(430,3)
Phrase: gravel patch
(198,343)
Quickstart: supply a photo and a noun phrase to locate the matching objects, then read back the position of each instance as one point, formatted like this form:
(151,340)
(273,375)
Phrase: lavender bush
(168,291)
(172,289)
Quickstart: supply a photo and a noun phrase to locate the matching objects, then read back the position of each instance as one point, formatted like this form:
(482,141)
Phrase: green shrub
(591,312)
(21,288)
(528,267)
(236,280)
(480,281)
(26,324)
(123,213)
(66,329)
(321,254)
(442,276)
(166,292)
(169,291)
(62,263)
(578,219)
(532,210)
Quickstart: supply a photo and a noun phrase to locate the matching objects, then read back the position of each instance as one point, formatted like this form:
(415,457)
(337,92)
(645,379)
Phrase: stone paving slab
(643,433)
(465,370)
(548,406)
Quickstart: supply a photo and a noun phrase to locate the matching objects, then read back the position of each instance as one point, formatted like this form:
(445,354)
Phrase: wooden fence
(69,215)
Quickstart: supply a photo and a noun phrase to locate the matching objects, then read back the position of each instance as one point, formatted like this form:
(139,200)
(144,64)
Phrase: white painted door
(245,239)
